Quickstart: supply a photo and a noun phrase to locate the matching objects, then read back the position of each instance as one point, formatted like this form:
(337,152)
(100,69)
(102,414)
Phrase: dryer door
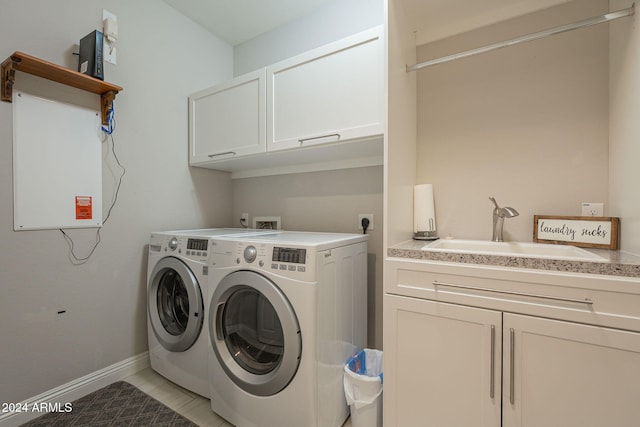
(174,304)
(255,333)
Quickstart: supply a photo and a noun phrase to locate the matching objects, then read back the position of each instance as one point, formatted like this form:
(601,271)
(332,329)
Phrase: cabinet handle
(303,140)
(587,301)
(512,367)
(222,154)
(493,361)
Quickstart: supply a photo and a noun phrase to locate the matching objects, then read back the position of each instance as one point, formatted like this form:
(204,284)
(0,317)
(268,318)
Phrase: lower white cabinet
(569,375)
(491,357)
(441,364)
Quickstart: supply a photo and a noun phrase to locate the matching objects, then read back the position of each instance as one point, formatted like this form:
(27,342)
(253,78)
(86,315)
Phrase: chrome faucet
(499,214)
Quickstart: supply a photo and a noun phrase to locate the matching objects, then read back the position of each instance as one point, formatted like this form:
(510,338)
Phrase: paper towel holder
(431,234)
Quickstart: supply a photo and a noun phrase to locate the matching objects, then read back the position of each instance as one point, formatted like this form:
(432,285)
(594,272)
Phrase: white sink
(518,249)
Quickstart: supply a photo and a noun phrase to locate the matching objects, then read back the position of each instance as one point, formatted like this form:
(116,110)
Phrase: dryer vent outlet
(267,222)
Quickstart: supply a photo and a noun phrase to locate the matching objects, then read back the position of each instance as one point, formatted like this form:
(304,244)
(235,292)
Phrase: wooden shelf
(47,70)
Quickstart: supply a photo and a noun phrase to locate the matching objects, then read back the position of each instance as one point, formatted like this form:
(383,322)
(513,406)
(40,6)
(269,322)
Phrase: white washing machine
(177,293)
(286,313)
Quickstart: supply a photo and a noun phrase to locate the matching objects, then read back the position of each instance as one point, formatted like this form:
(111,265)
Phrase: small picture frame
(598,232)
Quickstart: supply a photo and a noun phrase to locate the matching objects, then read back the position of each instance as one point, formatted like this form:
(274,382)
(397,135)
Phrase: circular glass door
(255,333)
(175,305)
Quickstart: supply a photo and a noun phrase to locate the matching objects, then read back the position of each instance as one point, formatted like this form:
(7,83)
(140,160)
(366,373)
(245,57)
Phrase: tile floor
(184,402)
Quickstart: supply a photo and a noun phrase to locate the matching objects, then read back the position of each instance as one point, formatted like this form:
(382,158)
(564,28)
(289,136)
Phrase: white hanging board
(57,164)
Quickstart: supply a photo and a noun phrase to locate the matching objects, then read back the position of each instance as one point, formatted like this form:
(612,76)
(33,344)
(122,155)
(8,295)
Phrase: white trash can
(363,388)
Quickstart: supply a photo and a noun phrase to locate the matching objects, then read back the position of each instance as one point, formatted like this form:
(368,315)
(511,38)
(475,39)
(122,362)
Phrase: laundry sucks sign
(592,232)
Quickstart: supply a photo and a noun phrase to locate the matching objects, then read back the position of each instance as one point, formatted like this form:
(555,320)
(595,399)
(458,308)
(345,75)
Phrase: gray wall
(162,57)
(320,201)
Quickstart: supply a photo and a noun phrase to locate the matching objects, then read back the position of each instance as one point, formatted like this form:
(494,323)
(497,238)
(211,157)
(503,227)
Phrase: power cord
(109,132)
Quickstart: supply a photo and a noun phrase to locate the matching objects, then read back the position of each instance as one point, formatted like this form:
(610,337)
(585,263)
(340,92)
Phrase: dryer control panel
(293,255)
(290,261)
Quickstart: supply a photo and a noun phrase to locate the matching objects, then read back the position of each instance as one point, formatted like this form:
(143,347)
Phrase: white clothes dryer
(286,313)
(177,293)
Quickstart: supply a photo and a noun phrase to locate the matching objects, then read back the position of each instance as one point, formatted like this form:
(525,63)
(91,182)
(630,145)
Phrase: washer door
(174,304)
(255,333)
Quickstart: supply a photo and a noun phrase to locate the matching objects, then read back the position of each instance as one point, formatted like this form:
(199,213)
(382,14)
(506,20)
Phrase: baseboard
(75,389)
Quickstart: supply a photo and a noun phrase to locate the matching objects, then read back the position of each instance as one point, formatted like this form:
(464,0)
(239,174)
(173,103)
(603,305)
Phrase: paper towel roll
(424,213)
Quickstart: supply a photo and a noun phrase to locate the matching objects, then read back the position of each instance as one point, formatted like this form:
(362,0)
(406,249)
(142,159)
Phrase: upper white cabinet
(333,93)
(321,110)
(228,120)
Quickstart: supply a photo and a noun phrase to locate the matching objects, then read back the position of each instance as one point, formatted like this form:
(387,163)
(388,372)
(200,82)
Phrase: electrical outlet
(592,209)
(244,219)
(369,217)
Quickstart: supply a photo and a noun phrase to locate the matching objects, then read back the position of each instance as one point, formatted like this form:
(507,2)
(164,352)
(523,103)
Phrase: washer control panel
(180,246)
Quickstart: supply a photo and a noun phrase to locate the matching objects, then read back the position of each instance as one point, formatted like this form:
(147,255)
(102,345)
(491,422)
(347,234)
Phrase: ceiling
(236,21)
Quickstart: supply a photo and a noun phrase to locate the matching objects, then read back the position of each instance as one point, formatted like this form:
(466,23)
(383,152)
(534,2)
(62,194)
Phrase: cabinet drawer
(606,301)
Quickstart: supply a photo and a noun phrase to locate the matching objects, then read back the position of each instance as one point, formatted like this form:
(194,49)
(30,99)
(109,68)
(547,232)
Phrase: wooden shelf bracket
(47,70)
(8,77)
(106,100)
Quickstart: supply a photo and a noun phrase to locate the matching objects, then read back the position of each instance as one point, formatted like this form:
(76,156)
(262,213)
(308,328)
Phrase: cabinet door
(228,120)
(441,364)
(569,375)
(329,94)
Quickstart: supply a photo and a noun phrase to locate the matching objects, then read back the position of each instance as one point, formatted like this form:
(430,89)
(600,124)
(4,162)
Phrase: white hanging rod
(535,36)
